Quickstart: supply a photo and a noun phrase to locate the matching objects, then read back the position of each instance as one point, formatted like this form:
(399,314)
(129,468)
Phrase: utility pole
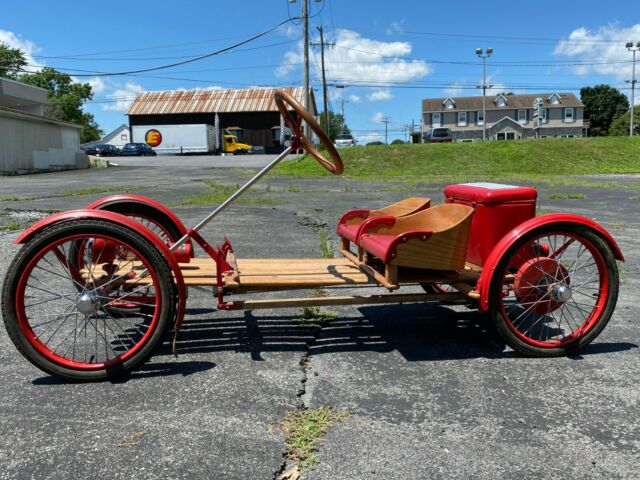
(386,121)
(324,83)
(305,33)
(630,47)
(484,87)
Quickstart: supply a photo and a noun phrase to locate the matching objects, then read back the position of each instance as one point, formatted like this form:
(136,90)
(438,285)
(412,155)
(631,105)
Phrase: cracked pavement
(431,390)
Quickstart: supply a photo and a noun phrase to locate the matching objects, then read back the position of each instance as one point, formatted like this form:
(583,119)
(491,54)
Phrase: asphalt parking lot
(430,391)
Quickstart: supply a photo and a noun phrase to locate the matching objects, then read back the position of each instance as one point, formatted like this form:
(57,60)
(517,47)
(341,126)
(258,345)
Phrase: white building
(29,142)
(119,138)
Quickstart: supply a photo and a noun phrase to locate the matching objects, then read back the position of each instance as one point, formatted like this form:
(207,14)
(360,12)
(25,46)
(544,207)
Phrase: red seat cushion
(348,231)
(378,245)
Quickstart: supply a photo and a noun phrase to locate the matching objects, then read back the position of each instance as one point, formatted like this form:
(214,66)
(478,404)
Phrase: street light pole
(630,47)
(484,86)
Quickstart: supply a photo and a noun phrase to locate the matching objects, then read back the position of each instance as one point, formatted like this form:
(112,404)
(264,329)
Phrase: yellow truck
(231,145)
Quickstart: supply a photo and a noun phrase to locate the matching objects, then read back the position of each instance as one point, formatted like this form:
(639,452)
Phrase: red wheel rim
(70,335)
(578,299)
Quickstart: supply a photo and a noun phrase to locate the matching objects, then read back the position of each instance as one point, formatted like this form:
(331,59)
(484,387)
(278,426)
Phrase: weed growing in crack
(325,244)
(11,224)
(316,316)
(304,431)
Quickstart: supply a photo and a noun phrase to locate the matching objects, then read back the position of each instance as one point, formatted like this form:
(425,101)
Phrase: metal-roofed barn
(249,113)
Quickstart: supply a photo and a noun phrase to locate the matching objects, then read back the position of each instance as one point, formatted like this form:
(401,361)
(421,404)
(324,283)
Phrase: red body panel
(121,220)
(500,249)
(139,198)
(498,210)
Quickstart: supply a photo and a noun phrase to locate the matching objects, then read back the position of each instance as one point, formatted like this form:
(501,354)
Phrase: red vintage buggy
(93,292)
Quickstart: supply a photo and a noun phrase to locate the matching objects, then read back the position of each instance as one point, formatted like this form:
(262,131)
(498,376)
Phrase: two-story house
(509,117)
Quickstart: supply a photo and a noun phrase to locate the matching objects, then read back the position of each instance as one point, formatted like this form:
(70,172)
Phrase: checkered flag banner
(282,132)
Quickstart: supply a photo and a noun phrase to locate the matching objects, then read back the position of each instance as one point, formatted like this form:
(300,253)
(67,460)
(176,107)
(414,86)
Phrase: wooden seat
(435,238)
(350,223)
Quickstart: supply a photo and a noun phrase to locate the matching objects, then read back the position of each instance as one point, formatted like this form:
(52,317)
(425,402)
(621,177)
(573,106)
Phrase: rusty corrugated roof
(211,101)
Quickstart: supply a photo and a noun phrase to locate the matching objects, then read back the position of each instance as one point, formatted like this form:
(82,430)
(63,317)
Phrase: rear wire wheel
(68,322)
(554,290)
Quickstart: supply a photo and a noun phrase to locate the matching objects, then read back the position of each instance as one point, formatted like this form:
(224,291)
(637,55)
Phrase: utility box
(498,210)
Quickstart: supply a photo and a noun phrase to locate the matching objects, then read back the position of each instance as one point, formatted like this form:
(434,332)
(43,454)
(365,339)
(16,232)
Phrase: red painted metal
(120,219)
(498,209)
(140,199)
(503,245)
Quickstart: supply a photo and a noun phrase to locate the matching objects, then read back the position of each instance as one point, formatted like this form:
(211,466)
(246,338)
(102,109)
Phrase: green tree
(336,126)
(620,125)
(397,141)
(11,61)
(602,104)
(66,98)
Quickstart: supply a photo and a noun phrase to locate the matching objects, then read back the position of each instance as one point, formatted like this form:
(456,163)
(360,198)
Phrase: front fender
(114,199)
(120,219)
(490,265)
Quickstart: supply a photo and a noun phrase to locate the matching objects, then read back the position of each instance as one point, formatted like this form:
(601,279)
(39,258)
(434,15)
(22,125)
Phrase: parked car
(103,150)
(344,140)
(138,149)
(438,135)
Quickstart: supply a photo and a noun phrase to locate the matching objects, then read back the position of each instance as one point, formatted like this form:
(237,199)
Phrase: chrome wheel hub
(86,304)
(561,292)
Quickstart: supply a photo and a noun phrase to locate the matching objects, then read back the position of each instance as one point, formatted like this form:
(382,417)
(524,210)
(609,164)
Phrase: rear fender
(505,243)
(117,218)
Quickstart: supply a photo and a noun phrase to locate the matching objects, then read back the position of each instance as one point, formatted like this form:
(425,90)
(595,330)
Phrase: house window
(506,136)
(449,104)
(501,101)
(123,136)
(522,115)
(462,119)
(436,119)
(568,115)
(480,118)
(545,115)
(554,99)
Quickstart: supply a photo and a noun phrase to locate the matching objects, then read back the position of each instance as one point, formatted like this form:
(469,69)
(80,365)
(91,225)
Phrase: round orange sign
(153,137)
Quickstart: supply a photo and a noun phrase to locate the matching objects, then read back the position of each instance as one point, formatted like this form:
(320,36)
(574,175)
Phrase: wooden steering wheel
(283,99)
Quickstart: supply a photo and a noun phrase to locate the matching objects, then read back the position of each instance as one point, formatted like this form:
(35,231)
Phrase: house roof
(212,101)
(513,101)
(114,133)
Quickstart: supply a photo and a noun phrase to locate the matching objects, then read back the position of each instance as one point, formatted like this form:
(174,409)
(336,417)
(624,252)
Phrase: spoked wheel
(554,290)
(92,320)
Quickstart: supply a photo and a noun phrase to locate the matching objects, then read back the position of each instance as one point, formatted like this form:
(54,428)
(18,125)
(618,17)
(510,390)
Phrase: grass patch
(304,431)
(449,163)
(91,191)
(317,316)
(566,196)
(219,193)
(12,224)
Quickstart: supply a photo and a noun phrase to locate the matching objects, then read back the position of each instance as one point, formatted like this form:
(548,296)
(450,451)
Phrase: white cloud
(356,59)
(364,138)
(122,96)
(28,48)
(355,99)
(98,85)
(603,47)
(377,117)
(395,27)
(455,90)
(384,94)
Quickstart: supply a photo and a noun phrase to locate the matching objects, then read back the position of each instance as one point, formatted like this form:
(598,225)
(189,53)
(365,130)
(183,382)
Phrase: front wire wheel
(70,321)
(554,290)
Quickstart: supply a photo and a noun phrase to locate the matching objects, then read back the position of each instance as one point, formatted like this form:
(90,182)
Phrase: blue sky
(388,55)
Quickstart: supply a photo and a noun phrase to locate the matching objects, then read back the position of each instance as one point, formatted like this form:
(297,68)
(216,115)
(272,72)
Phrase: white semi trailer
(176,139)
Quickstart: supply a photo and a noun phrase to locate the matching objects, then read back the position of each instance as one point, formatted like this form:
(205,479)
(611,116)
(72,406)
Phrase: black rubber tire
(132,208)
(90,226)
(496,290)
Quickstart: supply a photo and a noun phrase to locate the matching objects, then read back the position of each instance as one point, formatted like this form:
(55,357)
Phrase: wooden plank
(346,300)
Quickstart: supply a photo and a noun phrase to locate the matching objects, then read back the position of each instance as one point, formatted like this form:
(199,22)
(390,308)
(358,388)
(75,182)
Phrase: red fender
(500,249)
(119,219)
(139,198)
